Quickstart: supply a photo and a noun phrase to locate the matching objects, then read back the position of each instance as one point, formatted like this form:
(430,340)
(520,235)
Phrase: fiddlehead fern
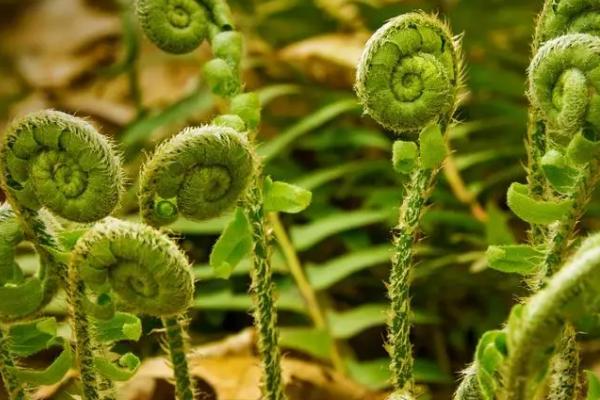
(199,173)
(142,267)
(61,162)
(408,80)
(180,26)
(53,160)
(409,73)
(563,83)
(533,328)
(563,87)
(560,17)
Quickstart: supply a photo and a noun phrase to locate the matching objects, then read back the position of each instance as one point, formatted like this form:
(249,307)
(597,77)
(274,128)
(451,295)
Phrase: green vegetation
(398,198)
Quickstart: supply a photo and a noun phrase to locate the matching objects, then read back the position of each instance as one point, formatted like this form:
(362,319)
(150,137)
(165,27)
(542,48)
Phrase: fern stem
(13,387)
(84,339)
(532,332)
(184,386)
(562,233)
(469,386)
(405,234)
(536,147)
(265,312)
(564,374)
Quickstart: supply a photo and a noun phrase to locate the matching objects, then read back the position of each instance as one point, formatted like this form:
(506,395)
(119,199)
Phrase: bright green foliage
(26,339)
(512,363)
(221,77)
(433,147)
(489,356)
(558,172)
(409,73)
(405,156)
(19,296)
(532,210)
(284,197)
(560,17)
(234,244)
(582,150)
(31,337)
(531,331)
(52,374)
(247,107)
(122,370)
(517,258)
(199,173)
(122,326)
(593,391)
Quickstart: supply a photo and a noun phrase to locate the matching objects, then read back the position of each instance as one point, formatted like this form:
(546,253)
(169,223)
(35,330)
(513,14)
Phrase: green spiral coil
(560,17)
(199,173)
(564,84)
(61,162)
(409,73)
(180,26)
(147,271)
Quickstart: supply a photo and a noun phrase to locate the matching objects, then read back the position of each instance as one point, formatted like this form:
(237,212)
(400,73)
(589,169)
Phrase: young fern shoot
(146,271)
(178,27)
(509,363)
(181,26)
(199,173)
(408,80)
(53,160)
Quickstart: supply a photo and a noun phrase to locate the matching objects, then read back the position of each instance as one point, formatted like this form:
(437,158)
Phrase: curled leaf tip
(145,269)
(563,83)
(59,161)
(200,173)
(409,73)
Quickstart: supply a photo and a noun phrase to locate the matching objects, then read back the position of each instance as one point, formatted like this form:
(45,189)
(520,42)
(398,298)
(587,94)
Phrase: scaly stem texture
(562,233)
(13,386)
(536,147)
(176,340)
(532,330)
(265,312)
(469,386)
(416,195)
(563,384)
(83,337)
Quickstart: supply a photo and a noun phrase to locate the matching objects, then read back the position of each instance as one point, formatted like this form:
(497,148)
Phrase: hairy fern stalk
(562,173)
(408,80)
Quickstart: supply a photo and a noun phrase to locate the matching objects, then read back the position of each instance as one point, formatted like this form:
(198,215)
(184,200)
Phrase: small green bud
(247,106)
(404,156)
(221,78)
(228,46)
(433,147)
